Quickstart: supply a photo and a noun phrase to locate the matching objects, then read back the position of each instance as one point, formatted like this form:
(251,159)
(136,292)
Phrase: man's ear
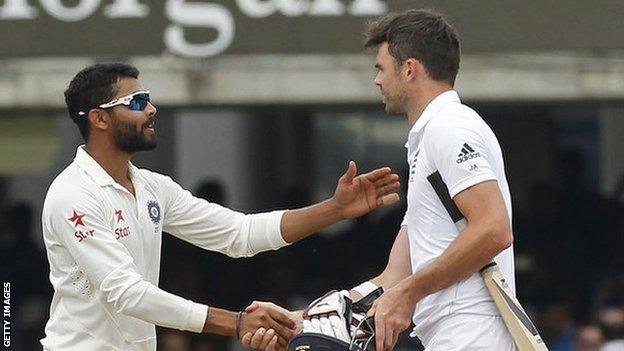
(99,119)
(413,69)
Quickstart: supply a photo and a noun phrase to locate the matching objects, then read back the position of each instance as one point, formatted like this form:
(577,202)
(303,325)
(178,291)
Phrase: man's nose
(152,110)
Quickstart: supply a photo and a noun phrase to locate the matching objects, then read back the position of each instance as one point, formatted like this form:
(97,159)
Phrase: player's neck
(422,99)
(114,161)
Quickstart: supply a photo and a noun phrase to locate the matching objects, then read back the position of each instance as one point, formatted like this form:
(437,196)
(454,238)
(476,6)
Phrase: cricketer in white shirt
(430,278)
(452,139)
(104,246)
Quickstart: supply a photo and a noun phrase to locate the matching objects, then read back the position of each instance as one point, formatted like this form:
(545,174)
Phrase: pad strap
(365,288)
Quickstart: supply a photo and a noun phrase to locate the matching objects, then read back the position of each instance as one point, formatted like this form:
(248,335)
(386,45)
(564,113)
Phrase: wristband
(238,320)
(365,288)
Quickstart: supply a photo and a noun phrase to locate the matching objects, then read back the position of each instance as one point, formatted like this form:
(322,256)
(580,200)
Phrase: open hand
(356,196)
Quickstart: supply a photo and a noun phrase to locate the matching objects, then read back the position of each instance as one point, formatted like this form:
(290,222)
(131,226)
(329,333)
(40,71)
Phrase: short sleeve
(460,154)
(404,221)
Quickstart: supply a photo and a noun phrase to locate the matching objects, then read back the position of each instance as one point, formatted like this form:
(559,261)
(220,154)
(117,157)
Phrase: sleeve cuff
(197,317)
(265,232)
(275,237)
(470,181)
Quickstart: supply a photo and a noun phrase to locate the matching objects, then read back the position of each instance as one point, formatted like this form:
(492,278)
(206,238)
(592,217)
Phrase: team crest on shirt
(154,211)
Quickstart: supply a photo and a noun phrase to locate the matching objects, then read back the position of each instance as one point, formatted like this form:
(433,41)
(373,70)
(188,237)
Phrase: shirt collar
(432,109)
(95,171)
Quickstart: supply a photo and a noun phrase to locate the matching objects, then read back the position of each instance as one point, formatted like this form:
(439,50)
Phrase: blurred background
(263,102)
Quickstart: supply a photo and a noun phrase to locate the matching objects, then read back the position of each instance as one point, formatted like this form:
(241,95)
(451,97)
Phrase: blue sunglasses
(137,101)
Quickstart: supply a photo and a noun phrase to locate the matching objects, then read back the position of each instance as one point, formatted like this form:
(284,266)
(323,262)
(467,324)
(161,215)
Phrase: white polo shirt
(103,245)
(452,139)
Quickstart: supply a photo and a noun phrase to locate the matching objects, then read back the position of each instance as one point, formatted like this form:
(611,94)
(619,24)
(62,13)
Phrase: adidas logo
(467,153)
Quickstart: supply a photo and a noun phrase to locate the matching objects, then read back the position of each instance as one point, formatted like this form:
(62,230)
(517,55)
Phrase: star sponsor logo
(121,233)
(119,215)
(76,219)
(81,235)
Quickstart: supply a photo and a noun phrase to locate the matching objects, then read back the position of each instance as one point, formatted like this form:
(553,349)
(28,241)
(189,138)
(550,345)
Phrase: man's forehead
(382,51)
(128,85)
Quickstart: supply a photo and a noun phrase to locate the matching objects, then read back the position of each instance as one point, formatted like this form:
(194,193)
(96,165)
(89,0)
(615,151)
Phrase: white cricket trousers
(469,332)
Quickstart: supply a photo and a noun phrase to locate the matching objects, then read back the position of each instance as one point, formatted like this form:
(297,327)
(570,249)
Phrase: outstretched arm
(355,196)
(214,227)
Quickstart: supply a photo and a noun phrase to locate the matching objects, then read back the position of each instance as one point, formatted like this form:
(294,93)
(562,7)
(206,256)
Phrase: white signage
(188,14)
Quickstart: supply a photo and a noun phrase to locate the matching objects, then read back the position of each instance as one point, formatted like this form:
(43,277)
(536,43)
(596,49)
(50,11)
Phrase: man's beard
(395,102)
(127,138)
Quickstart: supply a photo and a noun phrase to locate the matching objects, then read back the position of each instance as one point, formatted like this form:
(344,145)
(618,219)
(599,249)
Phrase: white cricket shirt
(103,245)
(452,139)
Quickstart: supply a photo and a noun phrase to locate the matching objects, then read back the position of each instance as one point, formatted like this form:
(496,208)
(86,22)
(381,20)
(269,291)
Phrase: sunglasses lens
(139,102)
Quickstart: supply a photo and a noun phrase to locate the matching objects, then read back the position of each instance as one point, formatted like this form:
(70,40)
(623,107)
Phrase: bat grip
(489,265)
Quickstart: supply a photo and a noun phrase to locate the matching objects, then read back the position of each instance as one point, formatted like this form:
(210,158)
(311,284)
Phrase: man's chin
(391,110)
(150,144)
(144,145)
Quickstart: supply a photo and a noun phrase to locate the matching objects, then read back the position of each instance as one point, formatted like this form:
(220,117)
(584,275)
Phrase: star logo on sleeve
(119,215)
(76,219)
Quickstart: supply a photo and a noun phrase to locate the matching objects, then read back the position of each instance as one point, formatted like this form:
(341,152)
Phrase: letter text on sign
(198,15)
(17,9)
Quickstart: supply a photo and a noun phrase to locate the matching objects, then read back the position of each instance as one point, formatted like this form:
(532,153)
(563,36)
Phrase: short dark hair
(93,86)
(422,34)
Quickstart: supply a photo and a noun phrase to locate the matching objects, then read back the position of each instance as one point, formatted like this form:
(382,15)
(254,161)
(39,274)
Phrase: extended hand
(356,196)
(273,321)
(266,339)
(393,314)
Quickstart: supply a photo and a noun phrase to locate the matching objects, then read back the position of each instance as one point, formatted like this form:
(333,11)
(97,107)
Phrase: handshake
(331,322)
